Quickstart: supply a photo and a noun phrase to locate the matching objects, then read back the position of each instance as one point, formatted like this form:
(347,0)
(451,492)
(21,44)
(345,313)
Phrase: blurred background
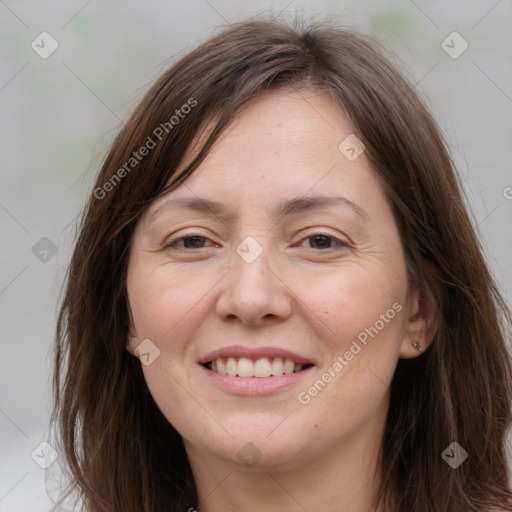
(71,72)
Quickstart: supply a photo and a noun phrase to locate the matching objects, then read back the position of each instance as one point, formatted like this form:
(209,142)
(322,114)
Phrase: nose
(254,292)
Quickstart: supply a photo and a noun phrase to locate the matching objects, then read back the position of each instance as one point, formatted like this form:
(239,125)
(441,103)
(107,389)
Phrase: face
(278,262)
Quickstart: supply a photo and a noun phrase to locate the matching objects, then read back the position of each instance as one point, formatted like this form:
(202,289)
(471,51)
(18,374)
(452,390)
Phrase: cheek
(362,318)
(167,305)
(355,300)
(166,302)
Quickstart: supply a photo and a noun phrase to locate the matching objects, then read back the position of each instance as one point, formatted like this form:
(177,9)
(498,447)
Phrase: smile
(255,371)
(262,367)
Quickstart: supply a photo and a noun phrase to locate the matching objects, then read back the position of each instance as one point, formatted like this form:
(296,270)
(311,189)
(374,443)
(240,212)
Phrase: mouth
(255,371)
(262,367)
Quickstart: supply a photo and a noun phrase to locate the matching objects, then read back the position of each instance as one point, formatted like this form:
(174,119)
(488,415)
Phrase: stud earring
(417,346)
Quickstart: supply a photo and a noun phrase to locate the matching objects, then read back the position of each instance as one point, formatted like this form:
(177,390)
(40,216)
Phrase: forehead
(283,134)
(283,146)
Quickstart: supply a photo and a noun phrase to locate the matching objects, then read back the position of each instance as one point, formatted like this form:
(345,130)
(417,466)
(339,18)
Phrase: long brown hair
(122,453)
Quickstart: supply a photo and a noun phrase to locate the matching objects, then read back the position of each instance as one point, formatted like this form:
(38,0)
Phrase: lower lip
(255,385)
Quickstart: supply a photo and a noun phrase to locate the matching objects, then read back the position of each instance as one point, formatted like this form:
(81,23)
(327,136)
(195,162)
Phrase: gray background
(59,115)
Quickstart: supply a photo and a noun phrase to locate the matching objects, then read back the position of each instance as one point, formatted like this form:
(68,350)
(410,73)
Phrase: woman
(277,300)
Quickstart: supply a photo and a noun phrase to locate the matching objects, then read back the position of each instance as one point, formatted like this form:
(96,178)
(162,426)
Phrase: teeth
(231,367)
(264,367)
(245,367)
(288,366)
(221,367)
(277,366)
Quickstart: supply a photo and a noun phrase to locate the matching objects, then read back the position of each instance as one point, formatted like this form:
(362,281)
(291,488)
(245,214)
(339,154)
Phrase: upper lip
(254,353)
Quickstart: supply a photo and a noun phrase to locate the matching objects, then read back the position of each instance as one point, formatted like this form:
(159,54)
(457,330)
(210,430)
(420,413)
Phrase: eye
(319,240)
(323,241)
(190,241)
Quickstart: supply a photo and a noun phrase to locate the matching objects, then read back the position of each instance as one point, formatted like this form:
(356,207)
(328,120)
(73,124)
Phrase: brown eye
(320,241)
(189,242)
(324,241)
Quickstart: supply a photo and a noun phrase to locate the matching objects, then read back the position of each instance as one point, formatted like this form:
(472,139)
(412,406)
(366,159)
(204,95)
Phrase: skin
(298,294)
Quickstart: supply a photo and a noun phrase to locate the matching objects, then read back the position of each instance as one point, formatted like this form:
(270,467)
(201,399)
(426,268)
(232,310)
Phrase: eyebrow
(288,208)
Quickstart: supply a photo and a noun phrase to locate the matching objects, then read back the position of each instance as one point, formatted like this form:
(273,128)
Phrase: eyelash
(340,243)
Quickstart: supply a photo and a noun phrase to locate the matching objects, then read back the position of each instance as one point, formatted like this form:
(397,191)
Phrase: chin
(257,445)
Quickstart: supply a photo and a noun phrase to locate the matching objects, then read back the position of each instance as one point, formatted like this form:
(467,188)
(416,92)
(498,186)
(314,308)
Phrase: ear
(422,323)
(131,338)
(131,342)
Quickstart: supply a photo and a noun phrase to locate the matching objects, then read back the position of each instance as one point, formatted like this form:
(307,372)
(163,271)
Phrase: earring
(417,346)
